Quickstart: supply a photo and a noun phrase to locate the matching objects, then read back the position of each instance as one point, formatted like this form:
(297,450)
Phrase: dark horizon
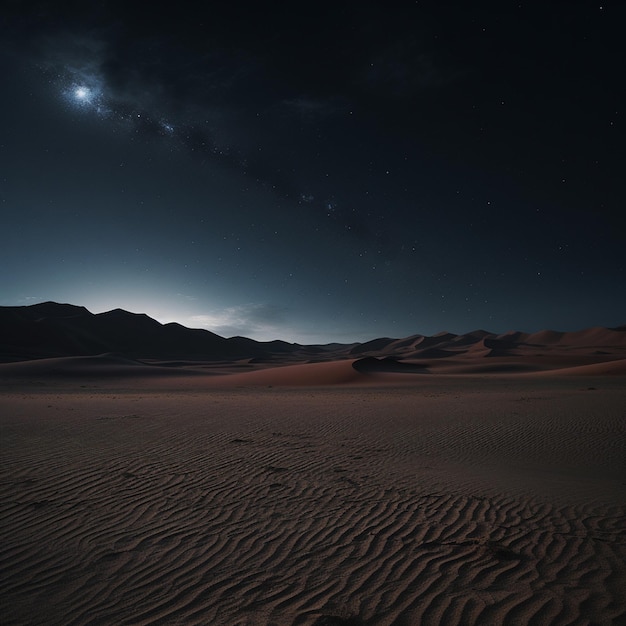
(58,309)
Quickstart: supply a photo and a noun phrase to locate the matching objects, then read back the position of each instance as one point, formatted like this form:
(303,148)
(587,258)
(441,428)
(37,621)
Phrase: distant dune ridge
(61,331)
(153,474)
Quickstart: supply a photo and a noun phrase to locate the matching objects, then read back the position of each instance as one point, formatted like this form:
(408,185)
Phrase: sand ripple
(210,516)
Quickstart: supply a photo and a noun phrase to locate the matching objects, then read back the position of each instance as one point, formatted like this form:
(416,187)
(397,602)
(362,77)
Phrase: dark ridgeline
(50,329)
(56,330)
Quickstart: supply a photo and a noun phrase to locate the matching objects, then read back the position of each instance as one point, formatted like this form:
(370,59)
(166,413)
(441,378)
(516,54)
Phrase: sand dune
(89,367)
(51,330)
(456,500)
(458,480)
(132,374)
(607,368)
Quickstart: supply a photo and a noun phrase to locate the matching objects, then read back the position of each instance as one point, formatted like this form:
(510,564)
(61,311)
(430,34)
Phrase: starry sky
(316,172)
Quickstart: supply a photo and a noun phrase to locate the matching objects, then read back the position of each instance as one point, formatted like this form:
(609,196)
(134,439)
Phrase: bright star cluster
(84,91)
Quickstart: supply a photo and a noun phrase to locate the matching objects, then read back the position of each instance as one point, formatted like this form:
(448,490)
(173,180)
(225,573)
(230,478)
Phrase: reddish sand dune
(331,373)
(449,500)
(608,368)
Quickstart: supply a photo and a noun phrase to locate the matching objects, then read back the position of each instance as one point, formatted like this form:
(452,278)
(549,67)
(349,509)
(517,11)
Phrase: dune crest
(49,331)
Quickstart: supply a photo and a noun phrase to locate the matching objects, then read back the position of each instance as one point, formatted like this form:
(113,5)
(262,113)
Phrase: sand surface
(254,499)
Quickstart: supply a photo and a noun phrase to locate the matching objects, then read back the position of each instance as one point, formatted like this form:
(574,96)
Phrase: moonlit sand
(311,494)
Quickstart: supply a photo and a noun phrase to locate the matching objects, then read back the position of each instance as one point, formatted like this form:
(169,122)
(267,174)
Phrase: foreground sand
(384,500)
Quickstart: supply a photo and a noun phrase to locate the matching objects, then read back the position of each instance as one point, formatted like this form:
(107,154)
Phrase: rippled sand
(446,500)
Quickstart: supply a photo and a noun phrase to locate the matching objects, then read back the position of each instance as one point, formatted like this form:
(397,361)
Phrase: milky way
(140,117)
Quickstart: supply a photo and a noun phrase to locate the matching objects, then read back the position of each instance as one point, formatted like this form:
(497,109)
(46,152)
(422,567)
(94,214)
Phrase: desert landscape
(153,474)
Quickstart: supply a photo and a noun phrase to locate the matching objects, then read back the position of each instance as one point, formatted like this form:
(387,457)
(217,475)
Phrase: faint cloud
(257,320)
(31,300)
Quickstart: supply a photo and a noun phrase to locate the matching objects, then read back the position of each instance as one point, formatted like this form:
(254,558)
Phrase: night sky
(317,172)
